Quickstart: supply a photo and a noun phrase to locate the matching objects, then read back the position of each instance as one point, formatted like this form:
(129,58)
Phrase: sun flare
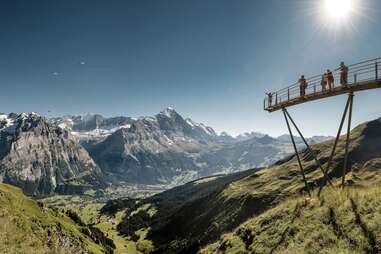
(338,9)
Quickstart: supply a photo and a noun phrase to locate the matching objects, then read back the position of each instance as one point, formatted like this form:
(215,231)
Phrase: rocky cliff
(43,158)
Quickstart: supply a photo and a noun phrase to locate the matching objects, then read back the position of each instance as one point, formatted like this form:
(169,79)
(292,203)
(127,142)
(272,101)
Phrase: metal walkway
(361,76)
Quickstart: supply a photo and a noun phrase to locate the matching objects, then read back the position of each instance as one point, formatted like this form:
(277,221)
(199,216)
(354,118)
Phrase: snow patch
(98,133)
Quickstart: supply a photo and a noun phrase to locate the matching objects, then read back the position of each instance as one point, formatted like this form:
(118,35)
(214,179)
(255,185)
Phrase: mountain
(28,226)
(266,210)
(91,128)
(154,149)
(249,135)
(310,140)
(72,154)
(168,148)
(255,152)
(43,158)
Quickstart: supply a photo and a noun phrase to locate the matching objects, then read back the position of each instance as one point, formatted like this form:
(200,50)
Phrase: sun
(338,9)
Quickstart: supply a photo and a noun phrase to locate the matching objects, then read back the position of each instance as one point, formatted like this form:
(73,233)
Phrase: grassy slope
(198,213)
(27,227)
(340,221)
(90,214)
(183,214)
(88,210)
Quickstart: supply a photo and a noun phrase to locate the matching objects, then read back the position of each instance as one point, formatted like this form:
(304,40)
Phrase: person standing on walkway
(323,82)
(343,74)
(331,79)
(303,86)
(270,99)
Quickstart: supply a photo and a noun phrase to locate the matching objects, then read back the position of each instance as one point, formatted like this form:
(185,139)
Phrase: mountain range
(167,147)
(71,154)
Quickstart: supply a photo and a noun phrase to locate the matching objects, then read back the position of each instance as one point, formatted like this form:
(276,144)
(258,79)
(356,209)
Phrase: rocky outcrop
(152,150)
(43,158)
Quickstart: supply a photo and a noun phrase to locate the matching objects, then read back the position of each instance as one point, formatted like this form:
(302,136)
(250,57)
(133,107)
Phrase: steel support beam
(296,152)
(325,177)
(347,140)
(307,145)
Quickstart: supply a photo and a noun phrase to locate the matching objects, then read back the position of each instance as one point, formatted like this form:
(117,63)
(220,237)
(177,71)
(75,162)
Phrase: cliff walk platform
(361,76)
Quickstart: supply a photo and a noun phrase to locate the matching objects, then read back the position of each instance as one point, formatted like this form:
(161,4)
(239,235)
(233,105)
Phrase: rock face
(153,149)
(168,148)
(43,158)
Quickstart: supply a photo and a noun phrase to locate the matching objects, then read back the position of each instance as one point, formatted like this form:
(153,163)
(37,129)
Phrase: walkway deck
(361,76)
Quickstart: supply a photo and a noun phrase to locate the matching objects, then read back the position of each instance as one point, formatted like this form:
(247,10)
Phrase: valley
(265,209)
(218,213)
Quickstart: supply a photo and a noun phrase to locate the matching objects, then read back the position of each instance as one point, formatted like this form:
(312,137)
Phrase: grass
(26,226)
(206,179)
(151,210)
(341,221)
(90,214)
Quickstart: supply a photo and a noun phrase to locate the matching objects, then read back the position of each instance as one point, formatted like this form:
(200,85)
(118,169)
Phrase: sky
(211,60)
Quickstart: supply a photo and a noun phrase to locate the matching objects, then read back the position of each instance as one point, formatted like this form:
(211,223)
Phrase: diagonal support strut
(296,152)
(325,177)
(308,146)
(345,167)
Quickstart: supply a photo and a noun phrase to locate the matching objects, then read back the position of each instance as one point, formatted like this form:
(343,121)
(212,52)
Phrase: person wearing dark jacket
(343,74)
(303,86)
(331,79)
(270,99)
(323,82)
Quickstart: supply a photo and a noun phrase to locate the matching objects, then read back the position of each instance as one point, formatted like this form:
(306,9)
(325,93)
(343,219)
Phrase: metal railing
(369,70)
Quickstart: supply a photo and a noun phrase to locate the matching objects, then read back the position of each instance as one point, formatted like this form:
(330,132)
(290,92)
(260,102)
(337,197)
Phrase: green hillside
(346,221)
(29,227)
(198,213)
(265,211)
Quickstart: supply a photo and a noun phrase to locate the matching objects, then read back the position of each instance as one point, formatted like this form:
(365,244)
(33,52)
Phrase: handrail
(367,70)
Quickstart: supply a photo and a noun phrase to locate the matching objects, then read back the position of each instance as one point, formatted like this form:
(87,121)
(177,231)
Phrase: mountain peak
(169,112)
(8,122)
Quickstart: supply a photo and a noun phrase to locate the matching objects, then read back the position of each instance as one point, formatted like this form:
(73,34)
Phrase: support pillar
(347,140)
(296,152)
(307,145)
(325,177)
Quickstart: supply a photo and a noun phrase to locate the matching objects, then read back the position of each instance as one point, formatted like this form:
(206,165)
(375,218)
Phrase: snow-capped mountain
(70,153)
(43,158)
(154,149)
(92,128)
(167,147)
(249,135)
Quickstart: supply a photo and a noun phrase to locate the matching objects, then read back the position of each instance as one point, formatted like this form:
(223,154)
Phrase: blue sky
(212,60)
